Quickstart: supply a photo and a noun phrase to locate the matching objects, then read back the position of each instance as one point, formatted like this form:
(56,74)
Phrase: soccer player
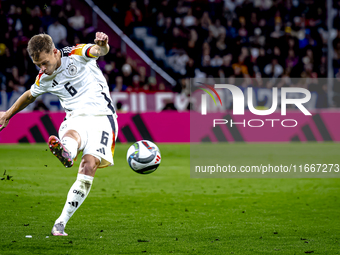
(90,124)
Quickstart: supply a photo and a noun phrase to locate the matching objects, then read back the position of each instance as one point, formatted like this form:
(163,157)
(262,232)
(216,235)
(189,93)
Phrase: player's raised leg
(78,193)
(97,153)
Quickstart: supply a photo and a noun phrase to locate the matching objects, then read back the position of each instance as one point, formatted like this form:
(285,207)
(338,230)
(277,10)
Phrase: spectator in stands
(205,22)
(240,69)
(133,17)
(261,61)
(152,83)
(119,58)
(127,74)
(217,29)
(3,80)
(193,45)
(110,72)
(177,39)
(77,22)
(35,20)
(181,9)
(68,10)
(47,19)
(162,87)
(322,70)
(11,86)
(142,75)
(160,23)
(136,85)
(292,60)
(19,40)
(119,86)
(165,33)
(190,68)
(178,61)
(58,33)
(199,39)
(220,45)
(189,20)
(243,32)
(273,69)
(15,75)
(19,21)
(205,54)
(63,20)
(226,68)
(231,31)
(277,33)
(277,54)
(231,5)
(185,86)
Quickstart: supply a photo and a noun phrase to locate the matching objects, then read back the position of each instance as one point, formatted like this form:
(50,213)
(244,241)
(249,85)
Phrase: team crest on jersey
(72,69)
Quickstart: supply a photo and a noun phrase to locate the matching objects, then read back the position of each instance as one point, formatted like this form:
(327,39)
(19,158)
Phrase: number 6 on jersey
(70,89)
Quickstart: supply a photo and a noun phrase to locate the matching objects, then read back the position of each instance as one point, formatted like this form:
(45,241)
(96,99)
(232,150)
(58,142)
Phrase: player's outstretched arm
(23,101)
(102,47)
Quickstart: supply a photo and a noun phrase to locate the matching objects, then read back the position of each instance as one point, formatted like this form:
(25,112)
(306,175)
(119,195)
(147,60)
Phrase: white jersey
(79,83)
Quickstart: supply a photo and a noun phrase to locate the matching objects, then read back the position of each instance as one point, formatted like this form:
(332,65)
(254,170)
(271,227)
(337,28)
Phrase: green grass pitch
(167,211)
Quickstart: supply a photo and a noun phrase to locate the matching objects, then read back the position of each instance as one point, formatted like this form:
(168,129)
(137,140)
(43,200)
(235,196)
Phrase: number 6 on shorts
(105,138)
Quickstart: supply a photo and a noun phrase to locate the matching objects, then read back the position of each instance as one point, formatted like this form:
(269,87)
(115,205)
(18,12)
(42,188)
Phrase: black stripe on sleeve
(87,52)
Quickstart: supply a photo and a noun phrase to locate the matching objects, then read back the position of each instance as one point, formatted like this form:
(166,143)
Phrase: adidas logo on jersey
(54,83)
(101,150)
(75,204)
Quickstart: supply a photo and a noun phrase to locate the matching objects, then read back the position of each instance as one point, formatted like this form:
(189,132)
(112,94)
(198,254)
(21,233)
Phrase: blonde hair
(39,43)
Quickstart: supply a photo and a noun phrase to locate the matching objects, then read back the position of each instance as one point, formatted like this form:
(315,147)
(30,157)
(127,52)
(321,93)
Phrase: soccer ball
(143,157)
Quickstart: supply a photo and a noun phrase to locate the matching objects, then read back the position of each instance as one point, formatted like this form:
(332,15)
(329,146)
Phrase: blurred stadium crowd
(248,39)
(20,20)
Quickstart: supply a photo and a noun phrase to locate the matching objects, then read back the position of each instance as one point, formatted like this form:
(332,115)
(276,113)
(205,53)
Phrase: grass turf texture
(167,211)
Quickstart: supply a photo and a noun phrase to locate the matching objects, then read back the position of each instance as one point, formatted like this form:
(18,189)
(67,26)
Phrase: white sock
(71,145)
(76,196)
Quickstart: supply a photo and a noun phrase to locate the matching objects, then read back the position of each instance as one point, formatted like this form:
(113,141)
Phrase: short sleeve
(37,88)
